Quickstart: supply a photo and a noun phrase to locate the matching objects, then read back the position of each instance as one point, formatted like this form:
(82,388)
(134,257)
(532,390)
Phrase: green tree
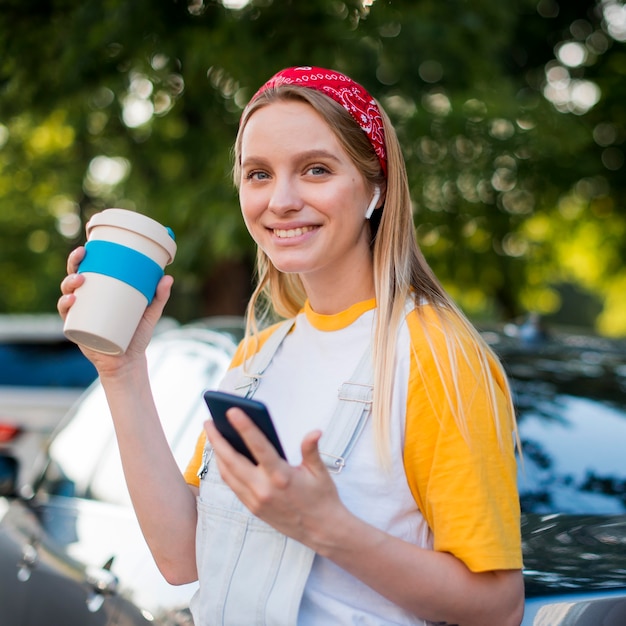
(509,113)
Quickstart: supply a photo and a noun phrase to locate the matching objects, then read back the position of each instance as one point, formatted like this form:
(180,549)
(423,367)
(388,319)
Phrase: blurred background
(511,115)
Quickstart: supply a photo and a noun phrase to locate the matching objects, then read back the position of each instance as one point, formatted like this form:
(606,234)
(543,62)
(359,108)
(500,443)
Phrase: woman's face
(302,198)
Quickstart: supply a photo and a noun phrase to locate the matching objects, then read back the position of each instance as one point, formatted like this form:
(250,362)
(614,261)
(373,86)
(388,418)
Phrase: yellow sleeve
(191,471)
(465,486)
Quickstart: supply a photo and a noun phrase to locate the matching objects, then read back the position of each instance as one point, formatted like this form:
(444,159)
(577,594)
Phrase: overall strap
(251,374)
(354,397)
(351,413)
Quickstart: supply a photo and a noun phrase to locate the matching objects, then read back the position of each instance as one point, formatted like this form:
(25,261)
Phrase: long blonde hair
(401,272)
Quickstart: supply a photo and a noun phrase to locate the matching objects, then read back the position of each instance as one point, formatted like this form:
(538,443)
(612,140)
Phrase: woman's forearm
(164,504)
(435,586)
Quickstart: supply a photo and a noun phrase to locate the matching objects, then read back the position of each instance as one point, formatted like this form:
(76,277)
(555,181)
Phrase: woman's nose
(284,197)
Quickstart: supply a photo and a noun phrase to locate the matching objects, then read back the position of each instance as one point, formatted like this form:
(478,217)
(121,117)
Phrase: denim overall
(250,574)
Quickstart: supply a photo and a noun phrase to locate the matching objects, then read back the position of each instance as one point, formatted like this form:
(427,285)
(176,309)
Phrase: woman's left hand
(298,501)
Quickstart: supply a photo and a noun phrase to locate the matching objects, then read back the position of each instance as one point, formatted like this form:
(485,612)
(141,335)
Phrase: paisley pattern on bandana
(343,90)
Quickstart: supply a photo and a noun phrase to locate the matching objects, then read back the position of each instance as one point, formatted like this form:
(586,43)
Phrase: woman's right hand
(136,350)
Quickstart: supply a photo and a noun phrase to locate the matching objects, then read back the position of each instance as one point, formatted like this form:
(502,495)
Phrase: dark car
(570,397)
(71,551)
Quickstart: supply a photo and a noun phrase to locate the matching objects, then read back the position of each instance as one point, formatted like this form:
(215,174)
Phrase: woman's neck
(329,296)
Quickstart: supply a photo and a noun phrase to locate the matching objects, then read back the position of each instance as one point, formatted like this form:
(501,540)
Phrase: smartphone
(219,402)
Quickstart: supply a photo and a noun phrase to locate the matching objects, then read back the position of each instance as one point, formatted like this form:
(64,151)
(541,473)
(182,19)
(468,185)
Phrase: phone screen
(219,402)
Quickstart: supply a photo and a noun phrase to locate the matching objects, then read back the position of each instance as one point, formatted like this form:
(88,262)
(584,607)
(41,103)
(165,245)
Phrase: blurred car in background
(71,551)
(42,375)
(570,396)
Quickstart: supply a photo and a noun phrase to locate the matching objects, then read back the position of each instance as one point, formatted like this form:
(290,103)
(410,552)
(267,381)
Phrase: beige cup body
(98,319)
(107,311)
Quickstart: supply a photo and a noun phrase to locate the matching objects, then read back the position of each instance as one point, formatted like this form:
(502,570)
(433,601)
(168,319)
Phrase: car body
(73,542)
(71,550)
(570,397)
(42,374)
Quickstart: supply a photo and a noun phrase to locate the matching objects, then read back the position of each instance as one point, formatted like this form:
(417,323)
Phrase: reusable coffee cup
(126,253)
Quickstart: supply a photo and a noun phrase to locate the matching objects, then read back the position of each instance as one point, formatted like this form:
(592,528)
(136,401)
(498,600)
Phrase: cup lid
(135,222)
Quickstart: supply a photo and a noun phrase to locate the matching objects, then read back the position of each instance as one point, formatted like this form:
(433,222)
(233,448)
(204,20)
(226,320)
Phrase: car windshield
(52,364)
(35,353)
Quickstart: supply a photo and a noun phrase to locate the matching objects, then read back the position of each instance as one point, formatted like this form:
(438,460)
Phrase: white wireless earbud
(372,204)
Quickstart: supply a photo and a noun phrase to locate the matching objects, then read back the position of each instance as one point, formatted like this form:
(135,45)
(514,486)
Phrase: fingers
(258,444)
(310,451)
(74,259)
(68,286)
(294,500)
(161,296)
(71,282)
(260,447)
(235,468)
(218,442)
(143,333)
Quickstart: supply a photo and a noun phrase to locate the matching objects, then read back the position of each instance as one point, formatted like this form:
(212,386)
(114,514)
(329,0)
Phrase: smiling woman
(398,482)
(304,201)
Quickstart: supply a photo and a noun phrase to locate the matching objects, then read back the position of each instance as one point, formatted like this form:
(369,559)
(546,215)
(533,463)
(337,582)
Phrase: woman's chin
(289,268)
(290,265)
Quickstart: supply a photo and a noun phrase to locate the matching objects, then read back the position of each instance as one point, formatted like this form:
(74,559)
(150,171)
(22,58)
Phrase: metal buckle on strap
(337,465)
(207,455)
(250,386)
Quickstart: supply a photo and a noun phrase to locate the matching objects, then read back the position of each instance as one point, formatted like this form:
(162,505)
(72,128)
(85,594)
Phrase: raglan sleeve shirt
(464,484)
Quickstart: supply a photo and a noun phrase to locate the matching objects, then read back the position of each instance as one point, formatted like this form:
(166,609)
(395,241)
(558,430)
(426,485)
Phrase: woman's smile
(292,233)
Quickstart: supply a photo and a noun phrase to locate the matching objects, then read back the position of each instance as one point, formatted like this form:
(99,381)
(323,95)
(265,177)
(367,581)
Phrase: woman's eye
(318,170)
(256,175)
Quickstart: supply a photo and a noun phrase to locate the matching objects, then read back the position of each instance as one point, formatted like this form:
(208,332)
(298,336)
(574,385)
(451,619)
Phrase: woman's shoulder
(447,349)
(434,326)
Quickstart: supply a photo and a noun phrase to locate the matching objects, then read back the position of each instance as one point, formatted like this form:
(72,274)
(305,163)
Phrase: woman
(397,503)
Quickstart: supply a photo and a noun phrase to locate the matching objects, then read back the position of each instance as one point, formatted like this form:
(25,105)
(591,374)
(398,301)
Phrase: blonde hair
(401,272)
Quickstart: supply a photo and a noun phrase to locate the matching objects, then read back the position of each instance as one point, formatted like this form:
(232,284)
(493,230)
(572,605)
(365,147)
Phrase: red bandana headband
(343,90)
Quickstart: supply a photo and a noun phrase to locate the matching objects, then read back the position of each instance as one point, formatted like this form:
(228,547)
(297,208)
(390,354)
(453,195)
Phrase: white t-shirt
(300,389)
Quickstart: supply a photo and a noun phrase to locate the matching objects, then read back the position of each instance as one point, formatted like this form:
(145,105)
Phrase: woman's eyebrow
(306,155)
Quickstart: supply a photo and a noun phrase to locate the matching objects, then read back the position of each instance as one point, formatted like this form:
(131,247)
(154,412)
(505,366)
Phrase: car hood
(573,553)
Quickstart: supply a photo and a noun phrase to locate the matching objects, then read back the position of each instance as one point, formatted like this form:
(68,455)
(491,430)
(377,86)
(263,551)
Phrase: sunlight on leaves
(612,320)
(53,135)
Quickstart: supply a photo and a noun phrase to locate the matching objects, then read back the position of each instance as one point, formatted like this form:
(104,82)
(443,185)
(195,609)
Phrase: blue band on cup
(125,264)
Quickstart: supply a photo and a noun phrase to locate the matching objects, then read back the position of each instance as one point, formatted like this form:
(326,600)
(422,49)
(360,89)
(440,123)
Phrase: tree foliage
(514,144)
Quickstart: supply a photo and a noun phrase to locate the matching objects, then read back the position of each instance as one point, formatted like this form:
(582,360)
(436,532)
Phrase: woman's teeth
(292,232)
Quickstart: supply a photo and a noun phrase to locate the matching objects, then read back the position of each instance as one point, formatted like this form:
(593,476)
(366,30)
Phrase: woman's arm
(302,502)
(436,586)
(165,505)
